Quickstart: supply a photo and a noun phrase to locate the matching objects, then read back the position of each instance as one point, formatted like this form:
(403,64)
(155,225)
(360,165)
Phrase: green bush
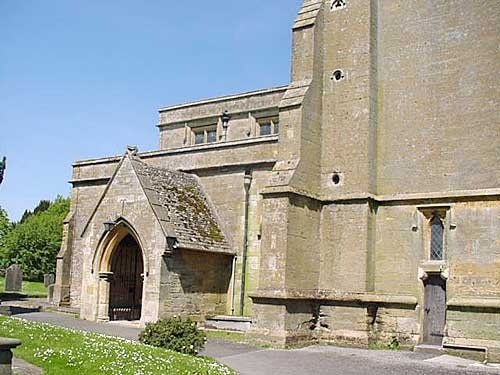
(394,344)
(176,334)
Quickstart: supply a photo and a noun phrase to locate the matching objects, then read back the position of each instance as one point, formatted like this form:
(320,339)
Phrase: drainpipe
(247,182)
(233,286)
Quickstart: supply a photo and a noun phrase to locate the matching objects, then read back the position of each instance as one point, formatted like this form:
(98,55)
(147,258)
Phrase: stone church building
(360,203)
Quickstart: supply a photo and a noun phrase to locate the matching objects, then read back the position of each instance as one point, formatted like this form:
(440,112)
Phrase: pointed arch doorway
(126,284)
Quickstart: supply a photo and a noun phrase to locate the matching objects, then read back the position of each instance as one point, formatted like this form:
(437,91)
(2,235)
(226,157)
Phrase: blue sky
(83,79)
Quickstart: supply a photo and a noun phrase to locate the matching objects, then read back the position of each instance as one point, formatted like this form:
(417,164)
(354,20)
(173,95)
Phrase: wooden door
(434,310)
(125,294)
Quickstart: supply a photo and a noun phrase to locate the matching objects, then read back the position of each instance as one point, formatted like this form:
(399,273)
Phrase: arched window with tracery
(437,232)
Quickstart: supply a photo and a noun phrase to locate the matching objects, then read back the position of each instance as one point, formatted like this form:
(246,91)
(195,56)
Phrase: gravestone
(50,293)
(13,279)
(48,279)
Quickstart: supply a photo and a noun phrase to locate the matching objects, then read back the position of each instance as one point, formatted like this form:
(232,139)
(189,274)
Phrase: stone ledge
(415,196)
(232,318)
(92,180)
(199,248)
(325,295)
(361,197)
(488,303)
(257,163)
(288,190)
(295,94)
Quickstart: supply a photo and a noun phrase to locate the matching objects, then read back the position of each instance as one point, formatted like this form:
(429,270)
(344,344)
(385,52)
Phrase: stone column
(103,302)
(6,346)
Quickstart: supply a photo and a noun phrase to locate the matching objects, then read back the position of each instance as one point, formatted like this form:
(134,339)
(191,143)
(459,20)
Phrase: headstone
(50,293)
(48,279)
(13,279)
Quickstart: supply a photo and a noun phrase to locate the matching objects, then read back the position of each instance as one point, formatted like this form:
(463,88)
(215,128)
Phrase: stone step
(68,310)
(477,353)
(229,323)
(431,349)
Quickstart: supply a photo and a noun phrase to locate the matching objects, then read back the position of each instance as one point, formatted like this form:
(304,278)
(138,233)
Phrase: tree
(26,215)
(5,226)
(34,244)
(43,205)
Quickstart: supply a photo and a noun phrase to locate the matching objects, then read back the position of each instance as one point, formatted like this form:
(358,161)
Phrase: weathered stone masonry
(389,124)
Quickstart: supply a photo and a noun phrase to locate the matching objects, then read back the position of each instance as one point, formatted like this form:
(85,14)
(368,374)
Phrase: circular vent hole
(338,75)
(336,178)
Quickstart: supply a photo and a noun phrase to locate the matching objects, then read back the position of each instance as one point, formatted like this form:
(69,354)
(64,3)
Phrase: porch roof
(182,208)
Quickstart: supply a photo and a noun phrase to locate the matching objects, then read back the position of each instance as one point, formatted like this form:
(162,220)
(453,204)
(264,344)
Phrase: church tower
(375,148)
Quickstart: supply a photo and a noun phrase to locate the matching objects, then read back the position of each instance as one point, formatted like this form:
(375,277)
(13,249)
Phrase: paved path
(316,360)
(20,367)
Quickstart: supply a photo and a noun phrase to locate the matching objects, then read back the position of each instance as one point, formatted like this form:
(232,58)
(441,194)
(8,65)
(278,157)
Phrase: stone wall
(474,326)
(83,200)
(471,248)
(227,191)
(474,249)
(221,168)
(177,123)
(437,96)
(398,128)
(344,247)
(89,182)
(194,284)
(125,199)
(303,243)
(349,119)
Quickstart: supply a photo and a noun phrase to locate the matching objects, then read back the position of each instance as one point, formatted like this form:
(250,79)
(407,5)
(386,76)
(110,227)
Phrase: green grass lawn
(65,351)
(30,288)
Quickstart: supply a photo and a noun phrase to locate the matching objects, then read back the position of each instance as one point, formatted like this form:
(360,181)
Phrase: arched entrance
(125,289)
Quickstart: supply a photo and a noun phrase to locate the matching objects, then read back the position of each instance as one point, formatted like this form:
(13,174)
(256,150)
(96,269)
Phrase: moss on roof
(181,205)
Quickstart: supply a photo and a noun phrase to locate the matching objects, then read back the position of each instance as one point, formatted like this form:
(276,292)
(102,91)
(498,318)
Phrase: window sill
(433,267)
